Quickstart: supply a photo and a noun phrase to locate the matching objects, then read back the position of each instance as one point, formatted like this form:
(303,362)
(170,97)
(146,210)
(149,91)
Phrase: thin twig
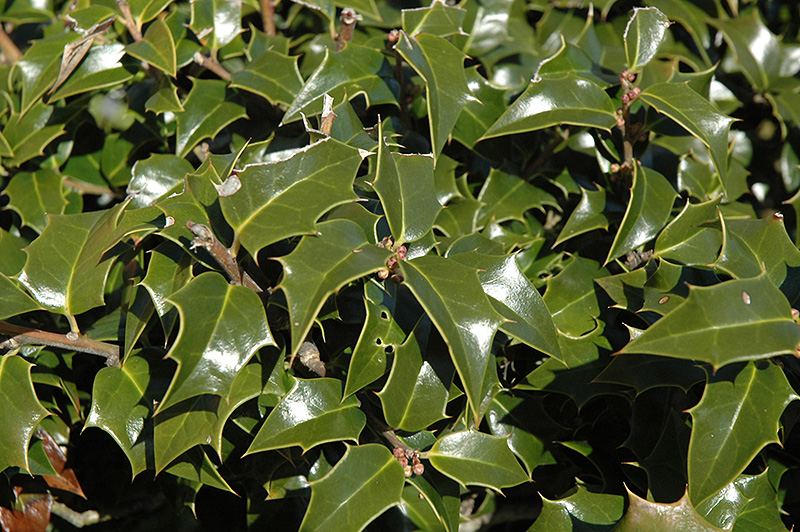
(89,188)
(10,49)
(328,116)
(548,151)
(19,336)
(213,65)
(349,19)
(130,24)
(268,16)
(385,430)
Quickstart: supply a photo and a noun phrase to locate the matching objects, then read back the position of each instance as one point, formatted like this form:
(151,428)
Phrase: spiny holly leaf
(351,71)
(320,265)
(648,210)
(222,326)
(695,114)
(156,177)
(452,296)
(404,184)
(286,198)
(507,196)
(183,426)
(216,22)
(646,515)
(164,99)
(414,396)
(379,337)
(15,301)
(39,67)
(101,68)
(751,245)
(206,113)
(571,296)
(758,50)
(168,271)
(156,48)
(146,10)
(643,36)
(121,405)
(34,195)
(733,321)
(644,372)
(367,481)
(738,415)
(556,100)
(195,465)
(72,281)
(748,503)
(586,507)
(587,216)
(438,19)
(516,299)
(477,116)
(313,412)
(22,411)
(441,66)
(694,236)
(478,459)
(271,75)
(29,134)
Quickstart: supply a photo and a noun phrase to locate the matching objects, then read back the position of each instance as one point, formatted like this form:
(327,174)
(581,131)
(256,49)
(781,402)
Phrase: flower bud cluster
(391,271)
(403,456)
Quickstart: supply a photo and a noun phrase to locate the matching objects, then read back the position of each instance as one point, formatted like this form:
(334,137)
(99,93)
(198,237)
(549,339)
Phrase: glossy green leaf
(441,66)
(587,216)
(327,7)
(516,299)
(506,197)
(271,75)
(21,414)
(405,186)
(694,236)
(648,210)
(571,296)
(286,197)
(146,10)
(734,321)
(748,503)
(29,134)
(749,246)
(738,415)
(100,69)
(313,412)
(415,395)
(182,427)
(15,300)
(438,19)
(697,115)
(583,506)
(169,270)
(757,49)
(349,72)
(478,115)
(477,459)
(552,101)
(206,113)
(367,481)
(34,195)
(122,401)
(379,337)
(195,465)
(217,337)
(39,67)
(520,421)
(320,265)
(12,258)
(644,372)
(452,296)
(156,177)
(216,22)
(645,515)
(156,48)
(643,36)
(165,99)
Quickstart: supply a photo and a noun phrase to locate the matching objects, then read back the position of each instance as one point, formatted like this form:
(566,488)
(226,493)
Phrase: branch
(349,19)
(127,18)
(9,48)
(268,16)
(204,238)
(19,336)
(213,65)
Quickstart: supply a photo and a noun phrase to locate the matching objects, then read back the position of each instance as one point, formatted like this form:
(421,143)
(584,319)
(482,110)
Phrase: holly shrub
(336,265)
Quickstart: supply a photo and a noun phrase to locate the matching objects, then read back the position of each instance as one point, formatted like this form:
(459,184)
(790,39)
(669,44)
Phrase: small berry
(383,273)
(614,168)
(403,461)
(625,98)
(418,469)
(398,452)
(408,471)
(401,252)
(391,263)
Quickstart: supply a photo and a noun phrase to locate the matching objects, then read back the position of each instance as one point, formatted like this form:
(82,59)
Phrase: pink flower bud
(418,469)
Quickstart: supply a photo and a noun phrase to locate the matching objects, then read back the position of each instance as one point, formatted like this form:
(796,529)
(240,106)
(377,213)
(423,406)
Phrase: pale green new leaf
(477,459)
(453,297)
(734,321)
(738,415)
(313,412)
(21,412)
(364,483)
(222,326)
(320,265)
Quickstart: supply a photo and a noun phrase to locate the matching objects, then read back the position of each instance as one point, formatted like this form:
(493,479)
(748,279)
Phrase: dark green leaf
(271,75)
(571,297)
(643,36)
(156,48)
(313,412)
(15,300)
(737,416)
(206,113)
(156,177)
(100,69)
(438,19)
(506,197)
(645,515)
(694,236)
(584,506)
(366,482)
(477,116)
(757,49)
(28,135)
(747,503)
(216,22)
(518,420)
(34,195)
(587,216)
(39,68)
